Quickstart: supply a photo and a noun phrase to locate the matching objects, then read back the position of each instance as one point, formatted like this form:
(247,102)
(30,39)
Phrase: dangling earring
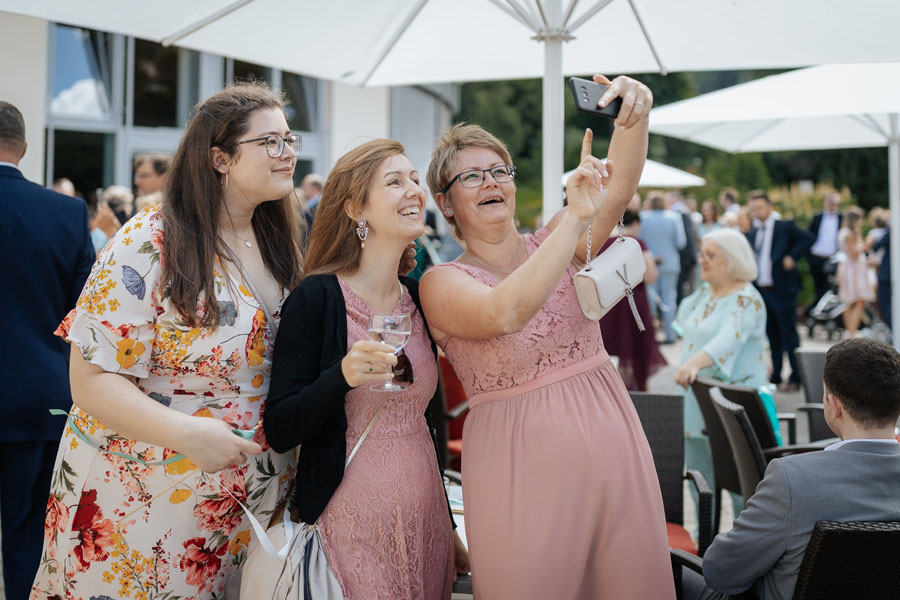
(225,182)
(362,231)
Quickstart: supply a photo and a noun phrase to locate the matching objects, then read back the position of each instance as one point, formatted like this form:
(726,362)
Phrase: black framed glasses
(403,371)
(275,143)
(475,177)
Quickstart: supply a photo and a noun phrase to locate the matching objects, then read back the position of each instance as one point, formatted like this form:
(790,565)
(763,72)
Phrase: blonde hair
(737,251)
(443,157)
(333,244)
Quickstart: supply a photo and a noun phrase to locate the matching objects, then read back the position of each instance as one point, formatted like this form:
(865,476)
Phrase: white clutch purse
(611,276)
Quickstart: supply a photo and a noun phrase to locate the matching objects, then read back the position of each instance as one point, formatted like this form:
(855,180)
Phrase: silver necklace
(495,269)
(246,241)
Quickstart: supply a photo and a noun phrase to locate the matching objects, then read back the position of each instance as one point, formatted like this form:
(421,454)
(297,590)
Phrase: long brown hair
(333,244)
(194,201)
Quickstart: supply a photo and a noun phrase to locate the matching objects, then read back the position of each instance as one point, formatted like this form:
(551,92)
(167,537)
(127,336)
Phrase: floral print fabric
(119,528)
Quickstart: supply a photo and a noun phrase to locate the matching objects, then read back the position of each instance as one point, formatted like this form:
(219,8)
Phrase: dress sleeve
(737,320)
(114,321)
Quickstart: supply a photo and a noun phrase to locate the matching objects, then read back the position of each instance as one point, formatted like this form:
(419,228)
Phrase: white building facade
(93,100)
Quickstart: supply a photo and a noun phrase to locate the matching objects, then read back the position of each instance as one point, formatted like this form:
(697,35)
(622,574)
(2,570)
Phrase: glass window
(85,158)
(301,101)
(303,168)
(155,84)
(244,71)
(81,75)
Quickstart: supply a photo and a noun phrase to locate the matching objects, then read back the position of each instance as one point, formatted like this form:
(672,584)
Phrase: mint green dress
(732,330)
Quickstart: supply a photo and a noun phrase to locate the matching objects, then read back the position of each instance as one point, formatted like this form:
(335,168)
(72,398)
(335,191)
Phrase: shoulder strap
(273,324)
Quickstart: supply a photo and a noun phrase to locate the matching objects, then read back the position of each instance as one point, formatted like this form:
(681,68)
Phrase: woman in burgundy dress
(638,352)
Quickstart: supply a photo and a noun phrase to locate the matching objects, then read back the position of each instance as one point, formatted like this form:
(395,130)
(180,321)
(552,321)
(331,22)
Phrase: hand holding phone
(587,93)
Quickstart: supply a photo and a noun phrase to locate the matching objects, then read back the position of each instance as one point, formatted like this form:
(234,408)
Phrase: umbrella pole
(553,114)
(894,249)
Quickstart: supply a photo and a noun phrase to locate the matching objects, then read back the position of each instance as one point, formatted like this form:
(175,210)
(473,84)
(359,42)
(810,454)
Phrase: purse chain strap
(621,238)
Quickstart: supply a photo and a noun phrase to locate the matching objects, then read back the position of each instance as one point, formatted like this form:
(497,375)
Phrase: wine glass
(393,329)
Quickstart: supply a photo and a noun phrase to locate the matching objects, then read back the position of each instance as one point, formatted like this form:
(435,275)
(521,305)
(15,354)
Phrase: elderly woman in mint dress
(723,324)
(561,495)
(171,351)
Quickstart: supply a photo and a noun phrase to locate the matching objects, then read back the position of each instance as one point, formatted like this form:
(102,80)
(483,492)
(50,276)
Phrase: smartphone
(586,94)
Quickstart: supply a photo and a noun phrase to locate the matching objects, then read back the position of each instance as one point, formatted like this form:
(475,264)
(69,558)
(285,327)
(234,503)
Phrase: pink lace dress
(386,530)
(561,495)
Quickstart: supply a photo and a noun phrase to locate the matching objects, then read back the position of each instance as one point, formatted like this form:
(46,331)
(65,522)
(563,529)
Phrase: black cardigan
(306,397)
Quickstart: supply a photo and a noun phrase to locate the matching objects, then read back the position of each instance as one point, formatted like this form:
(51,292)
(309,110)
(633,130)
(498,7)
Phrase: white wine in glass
(394,330)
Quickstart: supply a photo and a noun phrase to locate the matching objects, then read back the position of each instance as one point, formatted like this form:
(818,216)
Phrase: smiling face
(714,267)
(254,174)
(395,202)
(491,203)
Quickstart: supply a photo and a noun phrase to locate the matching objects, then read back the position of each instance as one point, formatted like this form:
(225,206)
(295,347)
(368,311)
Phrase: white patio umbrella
(393,42)
(658,175)
(829,106)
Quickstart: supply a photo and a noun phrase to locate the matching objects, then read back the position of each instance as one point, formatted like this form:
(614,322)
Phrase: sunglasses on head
(403,371)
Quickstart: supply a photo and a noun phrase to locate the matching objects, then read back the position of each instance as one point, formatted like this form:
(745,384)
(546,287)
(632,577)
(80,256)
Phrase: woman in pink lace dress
(561,496)
(385,522)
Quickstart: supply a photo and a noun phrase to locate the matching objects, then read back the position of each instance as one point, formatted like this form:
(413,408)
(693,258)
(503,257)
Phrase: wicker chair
(745,448)
(811,364)
(726,474)
(662,418)
(842,561)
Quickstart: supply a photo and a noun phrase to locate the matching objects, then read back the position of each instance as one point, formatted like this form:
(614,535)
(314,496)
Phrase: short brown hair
(333,244)
(656,200)
(730,193)
(451,143)
(158,162)
(12,127)
(758,195)
(865,375)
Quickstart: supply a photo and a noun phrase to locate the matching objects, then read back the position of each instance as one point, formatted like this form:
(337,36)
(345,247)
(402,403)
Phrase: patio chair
(745,448)
(811,364)
(724,469)
(662,418)
(842,560)
(448,408)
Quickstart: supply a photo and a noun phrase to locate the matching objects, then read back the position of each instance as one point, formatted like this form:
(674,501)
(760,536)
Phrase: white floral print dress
(120,529)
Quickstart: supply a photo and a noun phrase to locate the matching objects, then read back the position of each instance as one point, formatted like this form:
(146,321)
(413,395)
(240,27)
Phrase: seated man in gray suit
(856,479)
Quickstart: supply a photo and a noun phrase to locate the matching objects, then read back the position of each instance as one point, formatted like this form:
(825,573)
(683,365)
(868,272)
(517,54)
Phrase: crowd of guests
(234,304)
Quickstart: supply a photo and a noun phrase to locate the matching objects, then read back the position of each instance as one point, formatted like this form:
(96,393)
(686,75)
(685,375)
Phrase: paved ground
(664,382)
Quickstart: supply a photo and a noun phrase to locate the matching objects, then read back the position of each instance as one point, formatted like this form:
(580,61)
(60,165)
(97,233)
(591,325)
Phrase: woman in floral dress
(171,352)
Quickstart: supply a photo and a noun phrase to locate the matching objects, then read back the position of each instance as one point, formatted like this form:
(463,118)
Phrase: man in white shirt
(779,244)
(824,227)
(729,199)
(857,479)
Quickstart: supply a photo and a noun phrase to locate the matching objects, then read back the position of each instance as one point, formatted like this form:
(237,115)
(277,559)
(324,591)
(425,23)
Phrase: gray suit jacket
(860,481)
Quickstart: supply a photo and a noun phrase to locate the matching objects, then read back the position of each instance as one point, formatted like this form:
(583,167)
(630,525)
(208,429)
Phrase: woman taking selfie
(549,512)
(385,524)
(171,352)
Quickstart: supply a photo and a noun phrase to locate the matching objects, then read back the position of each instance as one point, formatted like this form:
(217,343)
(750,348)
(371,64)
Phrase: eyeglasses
(707,256)
(475,177)
(275,143)
(403,371)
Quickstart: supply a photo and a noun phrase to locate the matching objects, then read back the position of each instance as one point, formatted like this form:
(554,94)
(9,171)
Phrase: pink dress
(561,495)
(386,530)
(853,274)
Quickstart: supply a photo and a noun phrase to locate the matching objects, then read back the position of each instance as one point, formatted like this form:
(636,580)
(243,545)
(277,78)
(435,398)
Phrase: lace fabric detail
(386,530)
(557,336)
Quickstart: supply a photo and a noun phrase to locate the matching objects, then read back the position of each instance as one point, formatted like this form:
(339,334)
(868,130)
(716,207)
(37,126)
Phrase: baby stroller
(827,311)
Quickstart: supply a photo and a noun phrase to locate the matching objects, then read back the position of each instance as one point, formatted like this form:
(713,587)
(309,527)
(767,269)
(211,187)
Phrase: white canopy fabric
(658,175)
(392,42)
(829,106)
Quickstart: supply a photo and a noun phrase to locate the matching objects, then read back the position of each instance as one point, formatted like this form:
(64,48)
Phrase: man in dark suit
(824,228)
(47,255)
(779,244)
(856,479)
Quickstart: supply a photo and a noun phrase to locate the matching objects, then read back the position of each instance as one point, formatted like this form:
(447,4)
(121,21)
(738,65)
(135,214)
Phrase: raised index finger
(586,143)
